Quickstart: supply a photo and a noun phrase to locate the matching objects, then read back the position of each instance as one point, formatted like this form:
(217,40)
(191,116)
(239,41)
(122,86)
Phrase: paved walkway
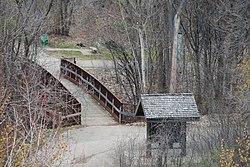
(90,64)
(93,114)
(93,145)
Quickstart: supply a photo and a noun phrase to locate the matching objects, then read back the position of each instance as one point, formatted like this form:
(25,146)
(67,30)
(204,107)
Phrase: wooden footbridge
(98,91)
(90,93)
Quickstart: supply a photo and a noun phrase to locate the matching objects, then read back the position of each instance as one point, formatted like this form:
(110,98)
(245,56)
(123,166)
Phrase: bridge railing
(70,114)
(107,99)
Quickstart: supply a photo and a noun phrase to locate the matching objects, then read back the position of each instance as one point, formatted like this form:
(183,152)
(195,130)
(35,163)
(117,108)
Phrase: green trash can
(44,39)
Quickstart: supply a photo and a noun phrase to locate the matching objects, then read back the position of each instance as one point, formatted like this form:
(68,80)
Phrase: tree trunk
(63,16)
(169,47)
(220,77)
(167,67)
(160,69)
(143,70)
(197,76)
(173,80)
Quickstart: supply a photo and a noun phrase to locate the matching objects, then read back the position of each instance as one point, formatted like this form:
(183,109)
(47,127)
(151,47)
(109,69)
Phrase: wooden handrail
(69,115)
(107,99)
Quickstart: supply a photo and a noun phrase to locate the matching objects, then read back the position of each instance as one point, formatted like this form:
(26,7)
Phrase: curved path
(93,114)
(95,145)
(92,145)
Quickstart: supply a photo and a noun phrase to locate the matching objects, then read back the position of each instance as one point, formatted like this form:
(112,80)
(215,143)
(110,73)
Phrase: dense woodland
(167,46)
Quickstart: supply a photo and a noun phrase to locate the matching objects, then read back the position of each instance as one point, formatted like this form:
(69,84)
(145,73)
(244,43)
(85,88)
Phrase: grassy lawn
(61,43)
(65,43)
(77,54)
(68,53)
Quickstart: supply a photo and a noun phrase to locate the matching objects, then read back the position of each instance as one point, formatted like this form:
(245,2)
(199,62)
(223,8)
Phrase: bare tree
(140,38)
(27,98)
(62,16)
(173,80)
(29,111)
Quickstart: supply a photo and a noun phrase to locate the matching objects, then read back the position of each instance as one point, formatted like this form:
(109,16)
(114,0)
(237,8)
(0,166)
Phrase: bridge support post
(100,89)
(106,95)
(120,118)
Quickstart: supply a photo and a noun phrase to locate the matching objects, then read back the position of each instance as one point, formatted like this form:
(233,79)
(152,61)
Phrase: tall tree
(62,14)
(173,80)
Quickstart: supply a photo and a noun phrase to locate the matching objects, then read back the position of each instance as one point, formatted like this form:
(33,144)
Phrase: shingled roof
(168,106)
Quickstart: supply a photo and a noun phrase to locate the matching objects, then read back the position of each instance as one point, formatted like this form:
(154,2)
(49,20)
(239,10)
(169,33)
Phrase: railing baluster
(100,89)
(93,83)
(112,106)
(87,84)
(106,95)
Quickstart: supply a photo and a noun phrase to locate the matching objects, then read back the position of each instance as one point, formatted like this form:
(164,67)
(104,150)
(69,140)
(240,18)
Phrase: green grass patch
(105,53)
(67,54)
(60,43)
(78,54)
(105,56)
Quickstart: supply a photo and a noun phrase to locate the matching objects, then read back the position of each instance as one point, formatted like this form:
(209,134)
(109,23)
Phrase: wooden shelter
(166,116)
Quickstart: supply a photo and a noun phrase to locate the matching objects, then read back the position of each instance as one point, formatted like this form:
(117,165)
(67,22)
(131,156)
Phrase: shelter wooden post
(148,149)
(183,139)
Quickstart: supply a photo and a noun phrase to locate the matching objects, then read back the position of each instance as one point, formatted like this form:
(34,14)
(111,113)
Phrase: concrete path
(84,51)
(93,114)
(93,145)
(90,64)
